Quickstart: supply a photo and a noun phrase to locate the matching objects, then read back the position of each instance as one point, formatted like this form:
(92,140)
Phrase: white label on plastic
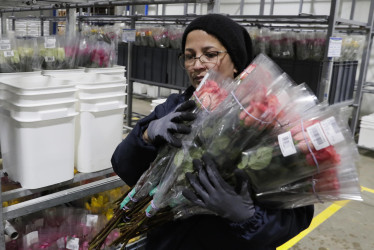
(5,46)
(128,35)
(335,47)
(91,220)
(50,43)
(49,58)
(286,144)
(317,136)
(31,238)
(61,242)
(9,53)
(142,33)
(202,82)
(72,243)
(332,131)
(4,41)
(83,45)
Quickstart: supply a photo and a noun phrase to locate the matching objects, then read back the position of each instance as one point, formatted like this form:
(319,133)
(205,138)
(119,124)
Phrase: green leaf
(243,162)
(178,158)
(261,158)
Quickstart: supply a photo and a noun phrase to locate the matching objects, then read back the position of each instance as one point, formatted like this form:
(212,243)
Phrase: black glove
(216,195)
(164,129)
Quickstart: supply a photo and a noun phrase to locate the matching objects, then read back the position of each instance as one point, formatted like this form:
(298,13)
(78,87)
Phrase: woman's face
(198,43)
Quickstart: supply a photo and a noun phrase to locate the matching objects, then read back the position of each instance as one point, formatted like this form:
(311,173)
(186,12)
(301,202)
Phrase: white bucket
(116,70)
(38,153)
(28,113)
(4,76)
(366,136)
(102,103)
(36,85)
(97,135)
(19,74)
(21,99)
(58,72)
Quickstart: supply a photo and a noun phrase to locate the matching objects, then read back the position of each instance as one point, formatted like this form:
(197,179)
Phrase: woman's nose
(198,64)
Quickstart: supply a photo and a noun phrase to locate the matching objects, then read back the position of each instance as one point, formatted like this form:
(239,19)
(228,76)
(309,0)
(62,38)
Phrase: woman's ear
(235,71)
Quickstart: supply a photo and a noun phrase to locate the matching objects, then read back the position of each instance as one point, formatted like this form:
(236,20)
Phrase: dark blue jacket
(267,229)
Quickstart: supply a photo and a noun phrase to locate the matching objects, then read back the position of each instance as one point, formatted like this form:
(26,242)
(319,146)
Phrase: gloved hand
(213,193)
(164,129)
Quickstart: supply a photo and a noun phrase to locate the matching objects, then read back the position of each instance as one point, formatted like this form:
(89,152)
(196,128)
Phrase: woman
(211,41)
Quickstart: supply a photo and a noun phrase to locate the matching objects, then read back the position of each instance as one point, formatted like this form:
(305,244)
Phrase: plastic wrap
(9,56)
(175,37)
(315,147)
(161,37)
(256,116)
(208,96)
(225,132)
(52,53)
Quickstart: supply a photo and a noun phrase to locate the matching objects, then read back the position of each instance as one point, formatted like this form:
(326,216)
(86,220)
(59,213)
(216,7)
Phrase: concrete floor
(336,226)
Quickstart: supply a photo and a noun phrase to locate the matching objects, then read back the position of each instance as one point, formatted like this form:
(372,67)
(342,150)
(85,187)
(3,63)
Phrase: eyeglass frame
(182,62)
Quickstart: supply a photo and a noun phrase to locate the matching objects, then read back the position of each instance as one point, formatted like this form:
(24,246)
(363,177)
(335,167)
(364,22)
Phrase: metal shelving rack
(332,23)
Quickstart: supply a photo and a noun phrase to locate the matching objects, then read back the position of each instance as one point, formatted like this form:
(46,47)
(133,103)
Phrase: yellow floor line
(367,189)
(319,219)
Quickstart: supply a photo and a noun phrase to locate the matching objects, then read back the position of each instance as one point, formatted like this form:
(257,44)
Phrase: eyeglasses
(209,59)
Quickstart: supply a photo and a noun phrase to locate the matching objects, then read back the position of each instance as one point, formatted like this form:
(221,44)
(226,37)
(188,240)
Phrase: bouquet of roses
(254,111)
(264,82)
(310,160)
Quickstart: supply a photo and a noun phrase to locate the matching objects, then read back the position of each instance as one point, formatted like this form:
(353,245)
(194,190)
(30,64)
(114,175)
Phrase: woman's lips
(198,78)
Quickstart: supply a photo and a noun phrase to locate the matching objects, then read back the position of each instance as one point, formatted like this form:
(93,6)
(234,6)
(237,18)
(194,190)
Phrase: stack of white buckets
(366,136)
(56,120)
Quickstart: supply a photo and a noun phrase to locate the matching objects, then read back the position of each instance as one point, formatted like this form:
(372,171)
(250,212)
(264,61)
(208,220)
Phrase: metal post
(262,7)
(129,69)
(301,6)
(3,23)
(71,21)
(241,7)
(2,237)
(363,71)
(353,7)
(163,9)
(185,9)
(323,89)
(271,7)
(41,26)
(214,7)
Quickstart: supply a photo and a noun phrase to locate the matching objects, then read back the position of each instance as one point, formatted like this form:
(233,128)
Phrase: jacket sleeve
(274,227)
(133,155)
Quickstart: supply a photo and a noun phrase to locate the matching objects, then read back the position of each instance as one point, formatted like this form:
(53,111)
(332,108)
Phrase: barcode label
(31,238)
(49,58)
(50,43)
(332,130)
(286,144)
(91,220)
(72,243)
(9,53)
(5,46)
(317,136)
